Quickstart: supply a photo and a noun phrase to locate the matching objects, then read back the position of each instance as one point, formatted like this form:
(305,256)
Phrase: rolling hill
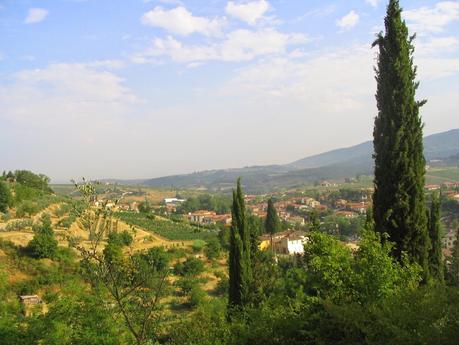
(440,149)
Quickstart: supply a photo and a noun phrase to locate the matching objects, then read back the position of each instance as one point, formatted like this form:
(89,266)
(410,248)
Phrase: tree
(212,249)
(272,224)
(239,254)
(132,284)
(453,269)
(398,202)
(314,221)
(5,197)
(436,266)
(44,243)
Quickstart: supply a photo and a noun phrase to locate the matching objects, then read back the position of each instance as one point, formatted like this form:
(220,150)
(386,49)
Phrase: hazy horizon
(142,89)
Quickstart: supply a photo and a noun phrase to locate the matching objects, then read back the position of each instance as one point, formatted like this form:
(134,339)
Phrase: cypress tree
(436,267)
(272,224)
(398,201)
(239,256)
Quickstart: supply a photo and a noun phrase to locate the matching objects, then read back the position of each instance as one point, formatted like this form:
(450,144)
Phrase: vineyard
(167,229)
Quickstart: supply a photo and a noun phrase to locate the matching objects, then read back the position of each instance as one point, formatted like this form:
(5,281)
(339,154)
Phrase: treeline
(221,204)
(26,191)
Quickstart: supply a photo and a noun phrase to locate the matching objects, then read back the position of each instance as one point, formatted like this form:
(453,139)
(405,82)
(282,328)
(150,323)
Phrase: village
(338,209)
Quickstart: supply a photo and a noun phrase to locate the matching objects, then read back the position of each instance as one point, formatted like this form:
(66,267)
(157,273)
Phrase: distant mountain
(440,149)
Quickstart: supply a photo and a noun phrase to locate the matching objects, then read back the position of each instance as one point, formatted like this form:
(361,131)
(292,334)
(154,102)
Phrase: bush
(121,239)
(212,249)
(197,296)
(198,245)
(18,225)
(5,197)
(43,244)
(191,267)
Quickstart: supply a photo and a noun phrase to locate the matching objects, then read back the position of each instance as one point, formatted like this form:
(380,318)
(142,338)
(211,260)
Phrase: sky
(147,88)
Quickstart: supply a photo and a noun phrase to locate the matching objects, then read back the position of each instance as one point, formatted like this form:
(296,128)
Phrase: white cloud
(349,20)
(238,45)
(325,81)
(436,46)
(62,92)
(36,15)
(432,19)
(373,3)
(182,22)
(249,12)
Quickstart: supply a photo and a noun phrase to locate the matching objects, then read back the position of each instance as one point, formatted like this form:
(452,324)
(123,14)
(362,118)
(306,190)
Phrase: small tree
(212,249)
(5,197)
(131,283)
(43,244)
(272,224)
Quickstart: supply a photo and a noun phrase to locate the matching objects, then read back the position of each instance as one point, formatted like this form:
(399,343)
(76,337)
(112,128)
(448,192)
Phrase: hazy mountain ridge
(442,148)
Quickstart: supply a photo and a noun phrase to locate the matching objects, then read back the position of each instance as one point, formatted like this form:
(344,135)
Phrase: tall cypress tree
(398,201)
(436,267)
(272,224)
(239,256)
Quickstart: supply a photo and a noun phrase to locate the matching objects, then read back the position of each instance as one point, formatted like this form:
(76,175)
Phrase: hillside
(440,149)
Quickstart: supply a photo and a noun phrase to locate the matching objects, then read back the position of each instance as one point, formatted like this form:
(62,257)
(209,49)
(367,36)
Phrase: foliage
(121,239)
(240,274)
(198,245)
(6,198)
(191,267)
(272,224)
(43,244)
(29,179)
(132,283)
(17,225)
(212,249)
(398,201)
(218,203)
(436,262)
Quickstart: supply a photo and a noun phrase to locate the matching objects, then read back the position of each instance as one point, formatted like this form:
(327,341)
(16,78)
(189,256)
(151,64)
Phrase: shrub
(19,225)
(198,245)
(43,244)
(191,267)
(212,249)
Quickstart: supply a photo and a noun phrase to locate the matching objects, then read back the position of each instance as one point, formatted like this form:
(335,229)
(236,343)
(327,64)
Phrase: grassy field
(439,175)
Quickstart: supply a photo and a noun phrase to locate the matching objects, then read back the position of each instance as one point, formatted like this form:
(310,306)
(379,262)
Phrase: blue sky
(145,88)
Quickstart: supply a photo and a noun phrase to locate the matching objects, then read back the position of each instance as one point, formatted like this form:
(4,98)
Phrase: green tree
(436,262)
(453,269)
(398,202)
(44,243)
(272,224)
(239,254)
(314,221)
(5,197)
(212,249)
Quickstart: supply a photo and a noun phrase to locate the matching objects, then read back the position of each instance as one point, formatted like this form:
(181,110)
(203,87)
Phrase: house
(359,207)
(288,242)
(30,300)
(32,304)
(296,220)
(448,184)
(346,214)
(201,217)
(173,201)
(432,187)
